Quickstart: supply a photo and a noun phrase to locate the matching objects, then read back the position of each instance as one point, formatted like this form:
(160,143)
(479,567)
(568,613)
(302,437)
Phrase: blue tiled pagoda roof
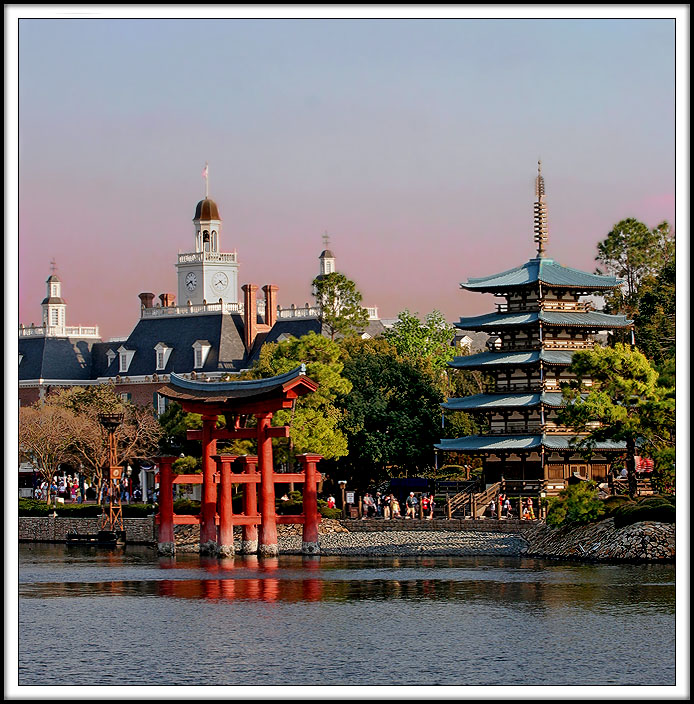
(494,359)
(482,401)
(591,319)
(492,443)
(543,270)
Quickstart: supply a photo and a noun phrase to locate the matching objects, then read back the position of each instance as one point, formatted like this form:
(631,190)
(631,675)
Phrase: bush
(629,514)
(34,507)
(578,504)
(79,510)
(612,503)
(138,510)
(326,512)
(186,507)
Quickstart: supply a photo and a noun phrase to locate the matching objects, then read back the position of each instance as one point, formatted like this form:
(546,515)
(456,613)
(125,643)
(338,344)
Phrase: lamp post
(342,483)
(114,517)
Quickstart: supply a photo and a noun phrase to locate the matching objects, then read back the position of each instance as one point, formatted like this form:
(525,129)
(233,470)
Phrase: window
(125,356)
(110,355)
(125,396)
(201,349)
(54,316)
(162,353)
(161,403)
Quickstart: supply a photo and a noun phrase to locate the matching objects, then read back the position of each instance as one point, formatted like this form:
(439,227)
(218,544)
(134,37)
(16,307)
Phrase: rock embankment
(646,541)
(640,542)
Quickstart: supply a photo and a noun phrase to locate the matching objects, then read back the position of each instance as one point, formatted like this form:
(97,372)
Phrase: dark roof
(493,359)
(492,443)
(206,210)
(239,394)
(224,333)
(326,253)
(55,358)
(546,271)
(52,278)
(592,319)
(52,299)
(490,401)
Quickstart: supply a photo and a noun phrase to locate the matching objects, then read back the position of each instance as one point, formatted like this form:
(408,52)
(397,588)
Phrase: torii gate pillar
(208,509)
(267,543)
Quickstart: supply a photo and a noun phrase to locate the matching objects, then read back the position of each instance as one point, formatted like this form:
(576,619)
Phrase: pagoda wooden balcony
(573,306)
(516,429)
(514,387)
(568,344)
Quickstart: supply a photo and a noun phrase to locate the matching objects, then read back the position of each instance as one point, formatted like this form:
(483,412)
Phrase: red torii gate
(237,400)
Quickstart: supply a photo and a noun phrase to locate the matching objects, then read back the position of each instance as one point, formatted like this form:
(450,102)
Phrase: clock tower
(207,274)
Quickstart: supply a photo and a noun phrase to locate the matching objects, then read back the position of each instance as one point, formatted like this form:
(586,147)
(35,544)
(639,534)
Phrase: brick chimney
(270,304)
(250,316)
(146,299)
(167,299)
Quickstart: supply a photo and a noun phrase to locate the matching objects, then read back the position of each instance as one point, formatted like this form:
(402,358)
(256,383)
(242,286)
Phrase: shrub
(186,507)
(138,510)
(34,507)
(635,513)
(79,510)
(612,503)
(578,504)
(326,512)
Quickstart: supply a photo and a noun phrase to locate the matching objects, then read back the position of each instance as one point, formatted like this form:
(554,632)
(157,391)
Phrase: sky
(412,142)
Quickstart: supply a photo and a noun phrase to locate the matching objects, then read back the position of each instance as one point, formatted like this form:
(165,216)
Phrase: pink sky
(414,144)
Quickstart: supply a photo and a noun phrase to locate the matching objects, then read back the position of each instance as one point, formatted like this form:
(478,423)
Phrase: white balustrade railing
(198,257)
(197,309)
(60,331)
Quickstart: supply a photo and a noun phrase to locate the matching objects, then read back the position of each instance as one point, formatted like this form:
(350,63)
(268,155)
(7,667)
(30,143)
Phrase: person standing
(507,507)
(395,507)
(331,501)
(387,499)
(425,506)
(531,512)
(492,509)
(411,504)
(431,506)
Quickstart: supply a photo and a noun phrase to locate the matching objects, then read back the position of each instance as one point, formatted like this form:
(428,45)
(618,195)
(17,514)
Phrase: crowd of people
(387,506)
(70,490)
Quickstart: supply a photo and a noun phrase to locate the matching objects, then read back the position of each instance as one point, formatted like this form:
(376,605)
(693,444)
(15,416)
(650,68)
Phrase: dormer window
(110,355)
(125,356)
(21,357)
(162,352)
(201,348)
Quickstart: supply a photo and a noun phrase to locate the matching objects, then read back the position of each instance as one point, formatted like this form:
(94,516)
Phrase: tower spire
(326,239)
(540,209)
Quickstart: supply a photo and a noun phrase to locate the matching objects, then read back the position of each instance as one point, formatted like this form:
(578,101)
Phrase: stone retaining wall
(644,541)
(44,529)
(454,524)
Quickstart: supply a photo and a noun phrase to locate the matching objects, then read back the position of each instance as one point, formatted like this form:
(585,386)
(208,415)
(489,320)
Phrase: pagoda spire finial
(540,209)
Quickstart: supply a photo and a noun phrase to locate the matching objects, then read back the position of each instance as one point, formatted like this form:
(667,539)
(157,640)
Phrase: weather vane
(326,239)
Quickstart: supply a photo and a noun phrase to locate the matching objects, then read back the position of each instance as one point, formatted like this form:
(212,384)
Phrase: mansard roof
(59,358)
(542,270)
(494,359)
(224,333)
(592,319)
(514,443)
(489,401)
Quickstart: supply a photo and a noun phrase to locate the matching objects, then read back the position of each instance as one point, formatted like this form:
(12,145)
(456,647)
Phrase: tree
(45,439)
(625,398)
(392,415)
(137,436)
(633,252)
(315,419)
(654,320)
(339,303)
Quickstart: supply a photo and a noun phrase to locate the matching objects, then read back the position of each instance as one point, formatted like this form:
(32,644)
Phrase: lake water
(100,617)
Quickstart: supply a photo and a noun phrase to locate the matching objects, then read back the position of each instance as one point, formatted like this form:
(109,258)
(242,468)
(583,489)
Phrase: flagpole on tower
(205,173)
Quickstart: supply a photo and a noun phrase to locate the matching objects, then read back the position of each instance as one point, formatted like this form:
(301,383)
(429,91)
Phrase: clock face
(220,281)
(191,281)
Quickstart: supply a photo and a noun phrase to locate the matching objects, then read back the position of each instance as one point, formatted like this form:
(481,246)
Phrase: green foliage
(575,505)
(612,503)
(658,509)
(625,398)
(392,415)
(427,341)
(632,252)
(175,423)
(340,306)
(186,507)
(187,465)
(654,319)
(32,507)
(315,419)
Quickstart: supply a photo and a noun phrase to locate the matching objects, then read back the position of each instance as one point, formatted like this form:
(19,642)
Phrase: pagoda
(544,319)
